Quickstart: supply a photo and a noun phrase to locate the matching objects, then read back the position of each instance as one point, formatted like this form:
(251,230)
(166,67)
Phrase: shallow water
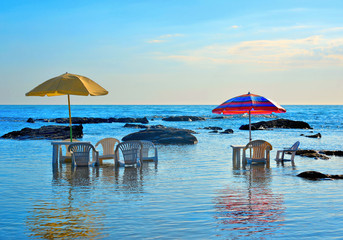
(193,192)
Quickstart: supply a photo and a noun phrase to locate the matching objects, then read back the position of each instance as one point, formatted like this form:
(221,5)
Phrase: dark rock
(332,153)
(131,120)
(45,132)
(313,175)
(30,120)
(312,154)
(222,117)
(318,135)
(130,125)
(335,176)
(214,131)
(157,127)
(90,120)
(164,136)
(183,118)
(227,131)
(278,123)
(213,128)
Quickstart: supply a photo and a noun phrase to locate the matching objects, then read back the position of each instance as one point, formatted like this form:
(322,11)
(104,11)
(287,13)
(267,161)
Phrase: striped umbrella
(249,103)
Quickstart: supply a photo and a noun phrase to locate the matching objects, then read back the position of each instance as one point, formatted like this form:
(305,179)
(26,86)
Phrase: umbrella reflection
(73,212)
(252,210)
(65,216)
(51,220)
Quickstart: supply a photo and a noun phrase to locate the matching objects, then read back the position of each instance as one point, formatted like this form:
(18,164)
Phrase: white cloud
(234,26)
(156,41)
(171,35)
(273,54)
(163,38)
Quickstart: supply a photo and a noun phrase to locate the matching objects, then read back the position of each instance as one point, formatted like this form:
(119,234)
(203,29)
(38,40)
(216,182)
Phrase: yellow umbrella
(68,84)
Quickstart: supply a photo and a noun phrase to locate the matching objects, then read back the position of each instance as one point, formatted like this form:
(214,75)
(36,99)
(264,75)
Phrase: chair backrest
(107,145)
(146,146)
(295,146)
(131,151)
(68,154)
(258,148)
(81,152)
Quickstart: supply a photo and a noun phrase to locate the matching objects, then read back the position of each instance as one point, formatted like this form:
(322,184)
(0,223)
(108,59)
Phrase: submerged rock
(183,118)
(278,123)
(332,153)
(312,154)
(46,132)
(314,175)
(318,135)
(213,128)
(164,136)
(130,125)
(227,131)
(30,120)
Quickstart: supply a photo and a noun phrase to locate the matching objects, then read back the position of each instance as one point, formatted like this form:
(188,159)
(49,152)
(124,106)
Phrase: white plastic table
(236,154)
(56,146)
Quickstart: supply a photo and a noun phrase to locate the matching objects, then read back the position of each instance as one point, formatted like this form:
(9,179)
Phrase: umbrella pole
(70,126)
(249,125)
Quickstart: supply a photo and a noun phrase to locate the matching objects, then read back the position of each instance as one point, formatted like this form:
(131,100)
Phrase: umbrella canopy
(251,104)
(68,84)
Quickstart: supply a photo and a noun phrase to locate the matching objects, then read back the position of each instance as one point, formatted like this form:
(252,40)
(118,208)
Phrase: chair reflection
(72,213)
(251,210)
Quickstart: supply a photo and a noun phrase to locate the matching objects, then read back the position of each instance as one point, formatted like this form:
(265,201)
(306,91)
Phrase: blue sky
(175,52)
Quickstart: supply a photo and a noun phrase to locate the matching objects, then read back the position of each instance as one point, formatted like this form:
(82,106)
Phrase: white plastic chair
(108,146)
(292,150)
(149,147)
(67,155)
(81,156)
(131,152)
(259,152)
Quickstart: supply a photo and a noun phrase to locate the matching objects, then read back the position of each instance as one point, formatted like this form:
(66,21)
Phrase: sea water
(193,191)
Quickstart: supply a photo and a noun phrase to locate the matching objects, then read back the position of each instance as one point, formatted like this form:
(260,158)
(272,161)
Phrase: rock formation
(278,123)
(183,118)
(51,132)
(86,120)
(164,136)
(313,175)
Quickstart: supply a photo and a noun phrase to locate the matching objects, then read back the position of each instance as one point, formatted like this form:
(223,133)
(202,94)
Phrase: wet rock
(130,120)
(30,120)
(318,135)
(332,153)
(227,131)
(90,120)
(157,127)
(164,136)
(213,128)
(312,154)
(130,125)
(314,175)
(51,132)
(278,123)
(214,131)
(183,119)
(222,117)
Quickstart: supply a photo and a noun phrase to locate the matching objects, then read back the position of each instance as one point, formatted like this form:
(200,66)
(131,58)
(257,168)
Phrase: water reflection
(52,220)
(252,210)
(74,212)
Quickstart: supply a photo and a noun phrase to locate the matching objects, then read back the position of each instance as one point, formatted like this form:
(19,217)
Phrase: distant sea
(193,192)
